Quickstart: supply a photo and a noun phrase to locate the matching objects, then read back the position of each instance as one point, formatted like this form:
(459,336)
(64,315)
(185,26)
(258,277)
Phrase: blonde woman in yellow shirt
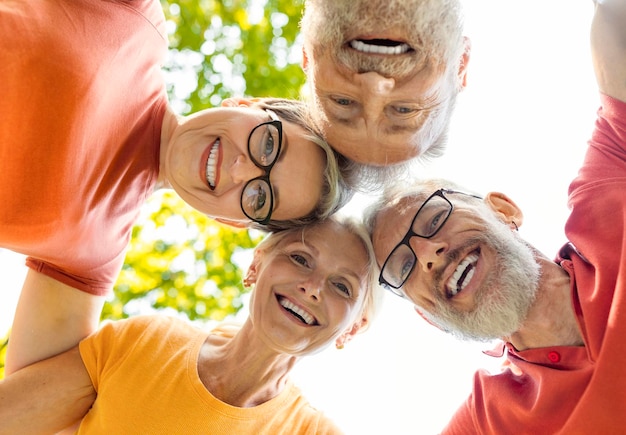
(152,374)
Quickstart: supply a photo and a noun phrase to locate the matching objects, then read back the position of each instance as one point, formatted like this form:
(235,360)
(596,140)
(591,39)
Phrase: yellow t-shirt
(145,372)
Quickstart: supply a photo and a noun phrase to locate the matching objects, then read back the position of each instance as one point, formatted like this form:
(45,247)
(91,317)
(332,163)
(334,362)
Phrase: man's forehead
(409,203)
(396,216)
(394,220)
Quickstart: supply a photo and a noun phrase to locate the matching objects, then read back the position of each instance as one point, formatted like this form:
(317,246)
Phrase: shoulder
(143,323)
(150,10)
(138,340)
(143,330)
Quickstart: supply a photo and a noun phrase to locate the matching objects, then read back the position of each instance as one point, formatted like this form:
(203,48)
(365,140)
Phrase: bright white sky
(520,127)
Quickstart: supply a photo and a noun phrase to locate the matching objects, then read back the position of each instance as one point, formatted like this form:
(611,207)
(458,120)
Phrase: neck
(551,320)
(168,127)
(242,371)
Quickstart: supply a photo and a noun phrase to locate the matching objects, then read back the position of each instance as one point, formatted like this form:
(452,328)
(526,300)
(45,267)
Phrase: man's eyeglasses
(428,220)
(264,145)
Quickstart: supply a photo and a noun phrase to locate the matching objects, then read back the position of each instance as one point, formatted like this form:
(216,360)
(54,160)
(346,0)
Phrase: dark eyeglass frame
(277,123)
(395,289)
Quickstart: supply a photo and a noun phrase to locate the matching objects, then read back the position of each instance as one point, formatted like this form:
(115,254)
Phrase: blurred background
(520,127)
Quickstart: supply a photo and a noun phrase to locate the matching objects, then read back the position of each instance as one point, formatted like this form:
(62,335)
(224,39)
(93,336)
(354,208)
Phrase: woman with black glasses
(86,135)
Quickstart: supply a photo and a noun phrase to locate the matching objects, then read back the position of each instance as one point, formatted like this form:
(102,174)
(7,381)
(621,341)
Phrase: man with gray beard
(384,76)
(460,260)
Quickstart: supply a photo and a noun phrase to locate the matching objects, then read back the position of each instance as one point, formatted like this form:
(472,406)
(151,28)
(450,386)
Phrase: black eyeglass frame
(277,123)
(410,234)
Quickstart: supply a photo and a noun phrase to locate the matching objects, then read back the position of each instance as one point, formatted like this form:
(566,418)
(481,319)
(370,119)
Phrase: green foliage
(230,48)
(180,260)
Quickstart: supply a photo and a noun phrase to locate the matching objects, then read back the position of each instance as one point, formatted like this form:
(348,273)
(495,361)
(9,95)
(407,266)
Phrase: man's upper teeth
(211,163)
(364,47)
(303,315)
(462,275)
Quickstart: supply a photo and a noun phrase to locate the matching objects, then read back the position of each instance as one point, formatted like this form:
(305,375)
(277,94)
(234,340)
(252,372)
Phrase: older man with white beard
(460,260)
(384,76)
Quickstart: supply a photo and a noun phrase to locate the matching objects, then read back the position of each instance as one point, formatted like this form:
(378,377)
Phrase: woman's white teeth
(462,275)
(299,312)
(371,47)
(211,163)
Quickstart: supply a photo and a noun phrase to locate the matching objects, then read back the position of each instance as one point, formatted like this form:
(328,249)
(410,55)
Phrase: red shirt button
(553,356)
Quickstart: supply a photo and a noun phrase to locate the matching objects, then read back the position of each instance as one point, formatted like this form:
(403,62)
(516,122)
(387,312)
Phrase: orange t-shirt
(564,389)
(82,105)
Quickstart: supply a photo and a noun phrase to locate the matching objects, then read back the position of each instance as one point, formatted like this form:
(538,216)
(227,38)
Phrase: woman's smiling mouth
(212,165)
(297,311)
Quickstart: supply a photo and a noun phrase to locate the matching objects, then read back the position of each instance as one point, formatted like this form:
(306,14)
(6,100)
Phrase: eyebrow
(343,121)
(276,198)
(343,270)
(392,129)
(354,275)
(397,129)
(283,149)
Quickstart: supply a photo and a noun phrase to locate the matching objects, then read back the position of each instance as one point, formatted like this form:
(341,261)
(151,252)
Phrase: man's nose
(243,170)
(374,83)
(430,252)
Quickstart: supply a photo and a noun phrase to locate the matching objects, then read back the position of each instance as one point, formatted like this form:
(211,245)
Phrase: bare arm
(608,46)
(50,318)
(46,396)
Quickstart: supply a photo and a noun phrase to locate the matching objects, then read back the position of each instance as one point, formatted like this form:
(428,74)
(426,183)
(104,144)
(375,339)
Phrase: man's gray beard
(433,28)
(503,303)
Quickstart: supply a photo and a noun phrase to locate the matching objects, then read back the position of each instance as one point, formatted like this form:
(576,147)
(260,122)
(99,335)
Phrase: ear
(231,222)
(465,57)
(251,273)
(305,60)
(345,338)
(237,102)
(506,210)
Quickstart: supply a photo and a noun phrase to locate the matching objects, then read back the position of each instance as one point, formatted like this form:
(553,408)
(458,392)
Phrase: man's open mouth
(380,46)
(462,275)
